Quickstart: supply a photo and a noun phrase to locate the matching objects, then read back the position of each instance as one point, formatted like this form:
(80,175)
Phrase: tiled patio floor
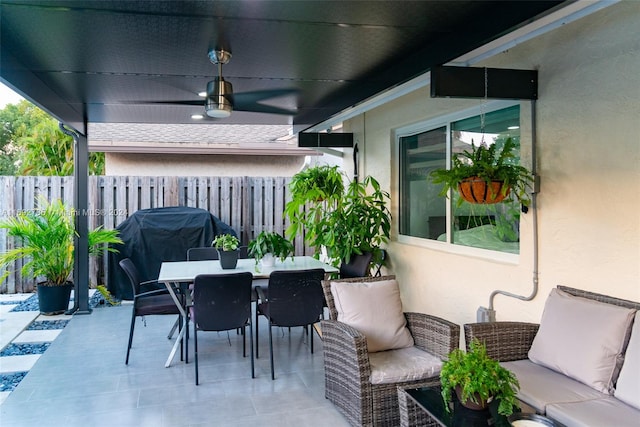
(82,380)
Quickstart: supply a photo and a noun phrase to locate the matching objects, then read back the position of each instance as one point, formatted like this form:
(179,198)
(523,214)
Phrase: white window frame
(445,121)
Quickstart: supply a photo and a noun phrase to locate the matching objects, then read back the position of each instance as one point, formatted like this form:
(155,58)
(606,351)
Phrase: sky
(8,96)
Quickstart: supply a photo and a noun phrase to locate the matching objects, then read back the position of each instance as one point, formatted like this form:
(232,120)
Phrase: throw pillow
(375,310)
(628,387)
(581,338)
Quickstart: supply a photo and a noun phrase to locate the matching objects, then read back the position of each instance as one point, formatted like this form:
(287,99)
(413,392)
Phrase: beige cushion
(375,310)
(582,339)
(628,387)
(605,412)
(403,365)
(541,386)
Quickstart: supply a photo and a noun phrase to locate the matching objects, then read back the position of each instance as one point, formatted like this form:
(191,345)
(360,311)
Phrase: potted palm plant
(46,245)
(477,379)
(267,246)
(486,175)
(227,246)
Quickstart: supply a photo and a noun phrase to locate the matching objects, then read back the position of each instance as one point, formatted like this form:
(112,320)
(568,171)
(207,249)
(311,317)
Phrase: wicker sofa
(359,382)
(581,365)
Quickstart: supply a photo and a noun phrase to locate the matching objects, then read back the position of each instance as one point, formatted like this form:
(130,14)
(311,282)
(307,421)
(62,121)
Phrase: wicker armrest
(505,341)
(345,352)
(433,334)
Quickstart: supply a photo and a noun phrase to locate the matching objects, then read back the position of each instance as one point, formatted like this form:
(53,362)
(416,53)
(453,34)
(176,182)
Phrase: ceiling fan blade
(199,102)
(250,101)
(259,95)
(263,108)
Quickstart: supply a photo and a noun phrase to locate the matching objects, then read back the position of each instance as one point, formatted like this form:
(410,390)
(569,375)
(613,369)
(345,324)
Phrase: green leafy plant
(479,378)
(352,222)
(488,163)
(108,297)
(226,242)
(318,183)
(46,242)
(270,242)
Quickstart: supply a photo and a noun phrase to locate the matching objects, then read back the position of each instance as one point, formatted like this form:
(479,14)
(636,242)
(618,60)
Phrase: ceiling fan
(220,100)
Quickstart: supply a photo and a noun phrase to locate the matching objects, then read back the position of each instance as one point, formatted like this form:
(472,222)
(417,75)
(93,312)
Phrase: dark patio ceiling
(103,61)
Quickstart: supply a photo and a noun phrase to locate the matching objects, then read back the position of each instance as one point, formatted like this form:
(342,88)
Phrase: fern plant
(488,164)
(479,378)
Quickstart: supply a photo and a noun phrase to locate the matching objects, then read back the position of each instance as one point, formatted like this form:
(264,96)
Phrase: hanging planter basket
(475,190)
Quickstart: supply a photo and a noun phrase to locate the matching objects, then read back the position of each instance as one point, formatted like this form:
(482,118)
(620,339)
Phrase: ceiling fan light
(219,102)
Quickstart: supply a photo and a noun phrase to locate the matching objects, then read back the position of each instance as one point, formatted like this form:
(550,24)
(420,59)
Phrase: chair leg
(195,349)
(257,328)
(182,351)
(133,325)
(273,376)
(244,341)
(310,336)
(253,372)
(186,343)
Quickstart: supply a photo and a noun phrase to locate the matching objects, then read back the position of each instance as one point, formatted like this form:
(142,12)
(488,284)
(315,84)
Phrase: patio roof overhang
(114,62)
(121,62)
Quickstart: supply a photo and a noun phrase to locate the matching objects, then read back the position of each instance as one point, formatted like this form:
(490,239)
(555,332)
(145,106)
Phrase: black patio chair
(149,302)
(222,302)
(295,298)
(358,266)
(244,252)
(202,254)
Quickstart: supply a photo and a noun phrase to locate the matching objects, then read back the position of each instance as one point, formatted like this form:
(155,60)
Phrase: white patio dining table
(172,274)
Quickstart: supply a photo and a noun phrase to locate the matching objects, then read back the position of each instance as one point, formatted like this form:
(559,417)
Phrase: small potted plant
(267,246)
(486,175)
(45,239)
(477,379)
(227,246)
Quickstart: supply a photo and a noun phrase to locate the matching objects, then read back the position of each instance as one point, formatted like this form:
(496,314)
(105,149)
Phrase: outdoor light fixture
(218,103)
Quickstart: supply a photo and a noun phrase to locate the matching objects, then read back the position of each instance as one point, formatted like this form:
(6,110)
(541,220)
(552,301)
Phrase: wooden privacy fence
(248,204)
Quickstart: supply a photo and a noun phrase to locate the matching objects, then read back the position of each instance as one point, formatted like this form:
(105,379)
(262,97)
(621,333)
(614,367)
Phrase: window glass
(425,214)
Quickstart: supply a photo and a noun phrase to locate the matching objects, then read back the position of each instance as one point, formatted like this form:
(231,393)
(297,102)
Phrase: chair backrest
(222,301)
(244,252)
(358,266)
(202,254)
(132,273)
(295,297)
(328,296)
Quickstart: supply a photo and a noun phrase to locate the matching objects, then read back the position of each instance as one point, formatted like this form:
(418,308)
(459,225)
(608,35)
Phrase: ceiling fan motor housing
(219,102)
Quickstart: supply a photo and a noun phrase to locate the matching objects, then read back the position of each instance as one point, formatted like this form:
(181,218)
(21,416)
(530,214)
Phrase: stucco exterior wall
(201,165)
(588,157)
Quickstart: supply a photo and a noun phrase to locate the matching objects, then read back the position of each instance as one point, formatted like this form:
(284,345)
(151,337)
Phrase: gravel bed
(30,304)
(22,349)
(8,382)
(42,325)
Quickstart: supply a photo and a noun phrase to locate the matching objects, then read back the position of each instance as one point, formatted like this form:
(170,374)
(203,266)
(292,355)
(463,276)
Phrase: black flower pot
(228,259)
(54,299)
